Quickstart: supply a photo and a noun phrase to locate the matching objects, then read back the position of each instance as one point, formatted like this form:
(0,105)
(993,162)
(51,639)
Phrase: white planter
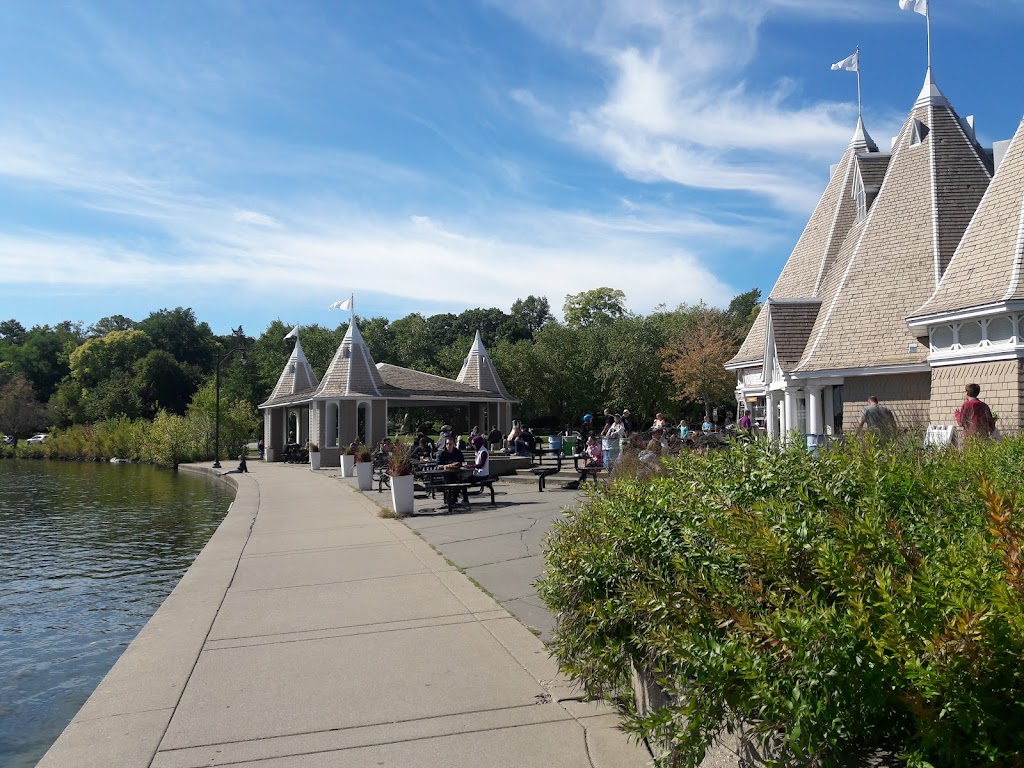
(348,463)
(401,494)
(314,460)
(364,475)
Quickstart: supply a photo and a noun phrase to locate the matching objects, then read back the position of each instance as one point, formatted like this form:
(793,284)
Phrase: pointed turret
(816,250)
(895,255)
(986,268)
(478,370)
(297,375)
(352,372)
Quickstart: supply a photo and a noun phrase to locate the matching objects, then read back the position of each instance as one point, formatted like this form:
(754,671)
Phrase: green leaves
(859,599)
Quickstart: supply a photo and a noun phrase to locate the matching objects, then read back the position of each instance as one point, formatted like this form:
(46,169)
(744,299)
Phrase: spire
(352,371)
(297,375)
(862,139)
(930,94)
(478,370)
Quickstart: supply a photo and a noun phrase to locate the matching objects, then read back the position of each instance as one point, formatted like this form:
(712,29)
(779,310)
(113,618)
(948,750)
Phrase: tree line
(599,356)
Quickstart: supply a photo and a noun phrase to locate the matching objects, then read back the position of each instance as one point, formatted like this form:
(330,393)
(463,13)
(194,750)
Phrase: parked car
(37,439)
(8,440)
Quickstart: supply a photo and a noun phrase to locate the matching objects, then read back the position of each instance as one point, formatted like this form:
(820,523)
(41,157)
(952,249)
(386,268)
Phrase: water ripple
(87,554)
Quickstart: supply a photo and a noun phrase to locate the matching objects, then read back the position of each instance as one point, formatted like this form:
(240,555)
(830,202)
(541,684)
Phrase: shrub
(861,598)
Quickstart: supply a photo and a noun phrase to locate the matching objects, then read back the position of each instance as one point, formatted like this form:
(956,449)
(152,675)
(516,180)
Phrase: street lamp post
(239,339)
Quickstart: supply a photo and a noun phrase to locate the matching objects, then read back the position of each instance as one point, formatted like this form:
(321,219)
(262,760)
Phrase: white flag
(918,6)
(851,63)
(293,333)
(345,304)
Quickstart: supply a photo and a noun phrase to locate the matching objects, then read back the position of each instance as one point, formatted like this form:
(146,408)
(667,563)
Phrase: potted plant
(364,468)
(400,469)
(314,456)
(348,461)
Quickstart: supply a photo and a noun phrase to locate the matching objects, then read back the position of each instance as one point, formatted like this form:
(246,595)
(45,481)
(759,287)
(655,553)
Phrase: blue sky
(259,160)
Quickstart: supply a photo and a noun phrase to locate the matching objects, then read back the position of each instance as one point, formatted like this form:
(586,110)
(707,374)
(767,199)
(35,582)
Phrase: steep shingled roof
(791,322)
(892,259)
(352,372)
(987,264)
(407,383)
(815,252)
(478,370)
(296,378)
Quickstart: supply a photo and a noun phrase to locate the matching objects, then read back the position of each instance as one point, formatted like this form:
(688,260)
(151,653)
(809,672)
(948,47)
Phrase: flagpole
(928,20)
(860,109)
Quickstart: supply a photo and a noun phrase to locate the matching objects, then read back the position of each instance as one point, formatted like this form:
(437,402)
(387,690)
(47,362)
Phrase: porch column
(830,413)
(771,415)
(814,410)
(790,410)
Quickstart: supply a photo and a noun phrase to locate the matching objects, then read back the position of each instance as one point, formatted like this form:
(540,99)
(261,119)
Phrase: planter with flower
(314,456)
(364,468)
(400,469)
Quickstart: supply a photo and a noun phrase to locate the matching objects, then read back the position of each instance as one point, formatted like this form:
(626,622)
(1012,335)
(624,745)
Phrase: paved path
(310,632)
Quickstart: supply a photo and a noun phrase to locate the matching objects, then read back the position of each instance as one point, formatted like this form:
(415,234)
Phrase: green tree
(177,331)
(42,356)
(163,383)
(594,307)
(532,313)
(379,338)
(105,325)
(21,415)
(102,357)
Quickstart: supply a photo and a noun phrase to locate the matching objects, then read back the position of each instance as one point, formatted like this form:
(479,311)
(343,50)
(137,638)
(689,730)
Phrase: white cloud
(677,107)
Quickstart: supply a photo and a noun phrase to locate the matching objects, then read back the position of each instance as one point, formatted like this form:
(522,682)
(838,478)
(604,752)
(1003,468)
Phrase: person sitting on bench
(482,464)
(595,457)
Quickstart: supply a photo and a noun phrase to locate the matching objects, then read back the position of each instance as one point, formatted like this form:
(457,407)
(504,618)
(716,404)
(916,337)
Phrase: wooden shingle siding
(982,269)
(1001,385)
(906,395)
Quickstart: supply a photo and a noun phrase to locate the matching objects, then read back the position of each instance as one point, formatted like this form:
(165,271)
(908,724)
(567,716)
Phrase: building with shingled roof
(351,402)
(867,302)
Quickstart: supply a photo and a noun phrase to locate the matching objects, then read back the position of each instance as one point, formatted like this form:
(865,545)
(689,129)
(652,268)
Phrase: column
(771,415)
(814,411)
(790,410)
(830,413)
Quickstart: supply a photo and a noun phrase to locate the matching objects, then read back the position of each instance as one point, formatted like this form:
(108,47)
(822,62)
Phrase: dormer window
(918,132)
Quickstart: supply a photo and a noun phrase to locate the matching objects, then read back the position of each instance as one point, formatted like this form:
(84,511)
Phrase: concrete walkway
(310,632)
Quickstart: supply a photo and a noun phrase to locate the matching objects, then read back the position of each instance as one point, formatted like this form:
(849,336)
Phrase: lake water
(87,554)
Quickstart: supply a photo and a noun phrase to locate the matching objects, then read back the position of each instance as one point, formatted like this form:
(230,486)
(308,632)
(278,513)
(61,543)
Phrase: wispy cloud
(678,108)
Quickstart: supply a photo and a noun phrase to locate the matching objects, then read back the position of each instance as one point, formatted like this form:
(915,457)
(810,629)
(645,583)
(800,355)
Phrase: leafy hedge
(168,440)
(858,599)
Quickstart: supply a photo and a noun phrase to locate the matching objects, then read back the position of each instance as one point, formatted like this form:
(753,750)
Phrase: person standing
(876,419)
(627,422)
(746,423)
(974,416)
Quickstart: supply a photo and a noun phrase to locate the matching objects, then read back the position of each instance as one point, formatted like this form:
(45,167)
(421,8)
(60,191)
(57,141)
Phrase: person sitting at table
(517,429)
(482,465)
(525,442)
(595,456)
(421,450)
(450,457)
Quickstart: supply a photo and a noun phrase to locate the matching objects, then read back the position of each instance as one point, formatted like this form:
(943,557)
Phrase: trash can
(555,442)
(569,445)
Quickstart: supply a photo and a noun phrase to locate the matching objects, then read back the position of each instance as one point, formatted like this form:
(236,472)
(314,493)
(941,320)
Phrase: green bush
(863,598)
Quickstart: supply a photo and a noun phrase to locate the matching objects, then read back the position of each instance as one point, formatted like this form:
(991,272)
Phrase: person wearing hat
(587,427)
(482,465)
(627,422)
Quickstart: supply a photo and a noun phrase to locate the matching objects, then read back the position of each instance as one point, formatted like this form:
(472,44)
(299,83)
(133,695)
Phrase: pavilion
(352,400)
(905,284)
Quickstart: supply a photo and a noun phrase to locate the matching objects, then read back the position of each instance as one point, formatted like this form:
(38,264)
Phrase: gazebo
(352,400)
